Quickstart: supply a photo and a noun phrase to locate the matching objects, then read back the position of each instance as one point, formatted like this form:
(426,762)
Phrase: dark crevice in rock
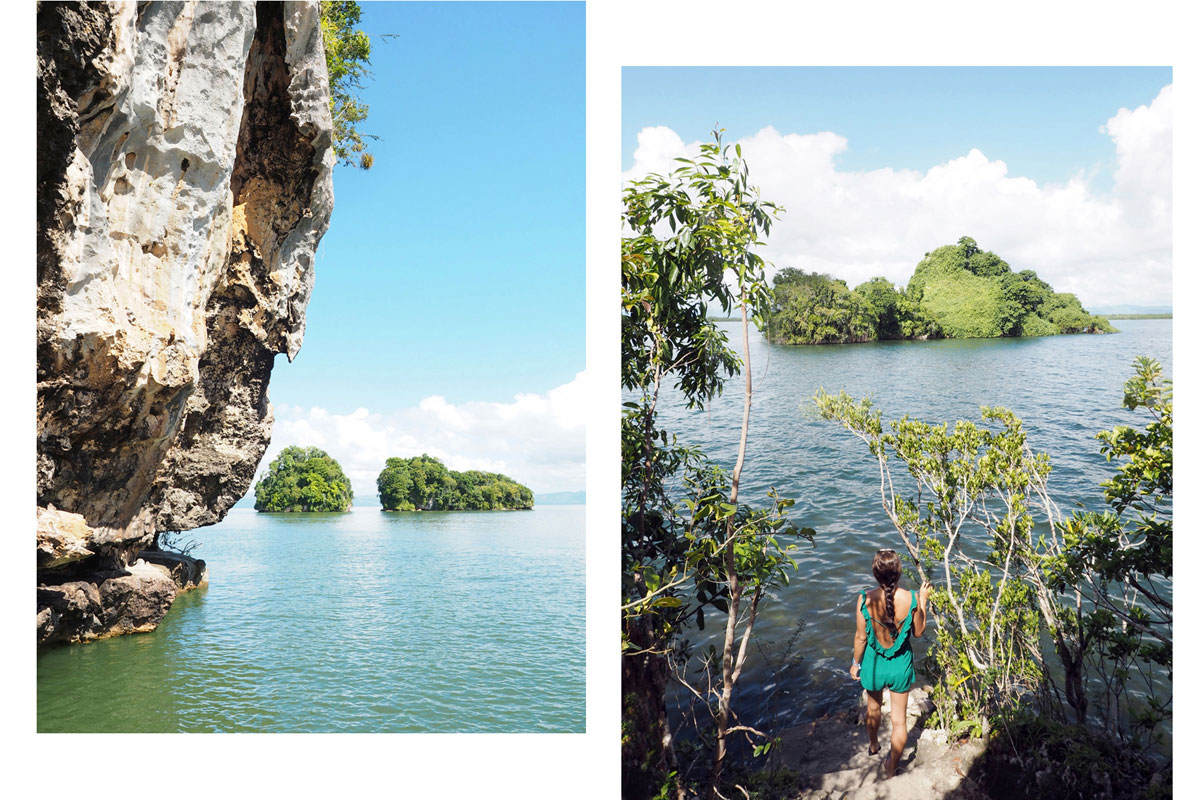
(144,423)
(272,181)
(69,38)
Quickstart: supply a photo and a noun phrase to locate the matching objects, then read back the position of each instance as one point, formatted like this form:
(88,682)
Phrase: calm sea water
(1065,388)
(364,621)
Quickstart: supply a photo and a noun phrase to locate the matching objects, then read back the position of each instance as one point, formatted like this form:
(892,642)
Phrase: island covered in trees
(303,479)
(956,292)
(424,483)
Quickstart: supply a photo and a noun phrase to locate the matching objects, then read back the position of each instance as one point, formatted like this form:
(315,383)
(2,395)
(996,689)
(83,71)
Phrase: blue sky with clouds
(448,311)
(455,265)
(878,165)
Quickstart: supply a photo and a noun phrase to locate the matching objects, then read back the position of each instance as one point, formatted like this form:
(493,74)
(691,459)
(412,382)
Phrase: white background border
(619,32)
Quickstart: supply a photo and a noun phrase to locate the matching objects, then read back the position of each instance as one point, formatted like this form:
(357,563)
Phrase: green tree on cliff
(303,479)
(347,56)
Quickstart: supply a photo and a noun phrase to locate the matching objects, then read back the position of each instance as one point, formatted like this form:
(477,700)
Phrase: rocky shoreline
(85,592)
(132,599)
(833,752)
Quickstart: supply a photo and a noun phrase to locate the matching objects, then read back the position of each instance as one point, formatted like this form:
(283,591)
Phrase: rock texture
(132,599)
(833,751)
(184,182)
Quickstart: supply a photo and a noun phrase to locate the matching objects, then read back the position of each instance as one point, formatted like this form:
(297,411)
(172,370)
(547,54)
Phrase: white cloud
(1143,142)
(537,439)
(1106,247)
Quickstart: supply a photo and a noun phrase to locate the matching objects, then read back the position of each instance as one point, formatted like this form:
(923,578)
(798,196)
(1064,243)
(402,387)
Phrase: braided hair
(886,568)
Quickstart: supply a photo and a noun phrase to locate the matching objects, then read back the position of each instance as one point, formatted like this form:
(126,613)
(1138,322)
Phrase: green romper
(891,668)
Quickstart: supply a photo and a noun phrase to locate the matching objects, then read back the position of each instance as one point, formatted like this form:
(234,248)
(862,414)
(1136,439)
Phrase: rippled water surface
(364,621)
(1065,388)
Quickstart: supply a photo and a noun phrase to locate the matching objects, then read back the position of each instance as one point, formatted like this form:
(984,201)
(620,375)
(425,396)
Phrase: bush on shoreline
(1033,756)
(1020,586)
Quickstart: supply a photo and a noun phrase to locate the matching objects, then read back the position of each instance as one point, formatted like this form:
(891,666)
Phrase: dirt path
(834,751)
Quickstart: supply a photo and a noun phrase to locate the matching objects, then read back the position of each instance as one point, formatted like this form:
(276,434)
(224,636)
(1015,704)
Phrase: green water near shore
(364,622)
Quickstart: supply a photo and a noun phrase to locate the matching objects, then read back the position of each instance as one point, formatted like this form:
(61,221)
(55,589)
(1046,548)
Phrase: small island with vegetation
(956,292)
(303,479)
(424,483)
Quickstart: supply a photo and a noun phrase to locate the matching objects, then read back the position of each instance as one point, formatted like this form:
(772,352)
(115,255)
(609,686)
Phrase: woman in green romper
(883,656)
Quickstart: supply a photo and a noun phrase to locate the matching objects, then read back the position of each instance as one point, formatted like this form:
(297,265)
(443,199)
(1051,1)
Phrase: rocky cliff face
(184,181)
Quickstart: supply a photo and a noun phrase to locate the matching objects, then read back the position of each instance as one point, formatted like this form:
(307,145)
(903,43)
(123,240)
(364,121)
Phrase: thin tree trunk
(741,456)
(735,587)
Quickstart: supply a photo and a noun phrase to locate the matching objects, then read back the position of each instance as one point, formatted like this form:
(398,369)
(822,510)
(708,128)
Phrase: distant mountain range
(1130,309)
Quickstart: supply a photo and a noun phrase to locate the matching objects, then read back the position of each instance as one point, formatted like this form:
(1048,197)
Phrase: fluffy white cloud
(537,439)
(1105,246)
(1143,142)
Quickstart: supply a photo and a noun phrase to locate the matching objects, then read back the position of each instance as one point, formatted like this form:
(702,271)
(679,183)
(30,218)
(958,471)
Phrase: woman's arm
(918,626)
(860,638)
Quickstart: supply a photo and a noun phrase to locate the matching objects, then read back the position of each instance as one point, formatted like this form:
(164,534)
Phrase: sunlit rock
(184,182)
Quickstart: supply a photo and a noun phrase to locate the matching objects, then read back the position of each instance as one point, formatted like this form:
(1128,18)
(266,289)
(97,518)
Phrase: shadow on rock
(832,753)
(1033,757)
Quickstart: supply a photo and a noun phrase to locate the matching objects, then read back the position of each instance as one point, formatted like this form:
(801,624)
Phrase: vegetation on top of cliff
(303,479)
(424,483)
(957,291)
(347,56)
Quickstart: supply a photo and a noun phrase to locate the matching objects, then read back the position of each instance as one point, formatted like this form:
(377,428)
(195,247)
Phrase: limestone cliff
(184,182)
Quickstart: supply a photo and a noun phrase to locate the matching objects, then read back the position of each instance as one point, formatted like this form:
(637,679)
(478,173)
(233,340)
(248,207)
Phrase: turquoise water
(365,621)
(1065,388)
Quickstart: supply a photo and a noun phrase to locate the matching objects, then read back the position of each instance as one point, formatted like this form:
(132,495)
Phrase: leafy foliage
(813,308)
(971,521)
(974,293)
(779,783)
(820,309)
(691,239)
(1039,756)
(965,305)
(347,56)
(1013,573)
(1125,555)
(423,483)
(957,291)
(887,308)
(303,479)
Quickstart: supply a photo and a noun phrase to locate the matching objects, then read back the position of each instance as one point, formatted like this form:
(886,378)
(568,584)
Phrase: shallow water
(364,621)
(1065,388)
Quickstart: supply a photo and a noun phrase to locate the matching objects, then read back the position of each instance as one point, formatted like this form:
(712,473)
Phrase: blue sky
(1044,122)
(448,311)
(455,266)
(1063,170)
